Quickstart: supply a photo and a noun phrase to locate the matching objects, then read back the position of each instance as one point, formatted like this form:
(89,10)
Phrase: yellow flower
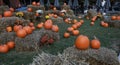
(47,17)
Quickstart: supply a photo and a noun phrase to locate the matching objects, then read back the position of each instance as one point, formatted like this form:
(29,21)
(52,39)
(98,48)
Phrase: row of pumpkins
(22,31)
(115,17)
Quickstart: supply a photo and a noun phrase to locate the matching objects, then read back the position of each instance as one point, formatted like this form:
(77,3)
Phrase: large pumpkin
(11,44)
(7,14)
(21,33)
(82,42)
(95,44)
(4,48)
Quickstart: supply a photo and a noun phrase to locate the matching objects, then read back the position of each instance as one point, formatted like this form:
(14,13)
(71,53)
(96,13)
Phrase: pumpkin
(38,4)
(31,24)
(4,48)
(102,23)
(8,28)
(75,32)
(66,20)
(11,9)
(28,29)
(66,34)
(36,14)
(118,17)
(33,28)
(95,44)
(11,44)
(82,42)
(55,16)
(94,18)
(69,29)
(7,14)
(75,21)
(78,24)
(29,9)
(17,27)
(113,17)
(82,21)
(92,23)
(34,3)
(105,25)
(54,8)
(40,25)
(21,33)
(48,24)
(74,26)
(55,28)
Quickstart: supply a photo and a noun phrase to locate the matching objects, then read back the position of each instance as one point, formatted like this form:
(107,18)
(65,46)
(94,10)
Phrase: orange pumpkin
(92,23)
(17,27)
(4,48)
(66,34)
(55,28)
(94,18)
(48,24)
(82,21)
(29,9)
(9,29)
(75,32)
(11,44)
(95,44)
(28,29)
(32,27)
(75,21)
(21,33)
(38,3)
(102,23)
(66,20)
(40,25)
(118,17)
(74,26)
(7,14)
(113,17)
(105,25)
(69,29)
(55,16)
(78,24)
(11,9)
(82,42)
(31,24)
(34,3)
(36,14)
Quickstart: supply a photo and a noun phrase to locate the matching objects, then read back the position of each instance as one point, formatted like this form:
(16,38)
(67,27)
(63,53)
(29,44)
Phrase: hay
(91,13)
(66,7)
(57,20)
(41,7)
(29,15)
(70,13)
(32,41)
(5,21)
(72,56)
(7,36)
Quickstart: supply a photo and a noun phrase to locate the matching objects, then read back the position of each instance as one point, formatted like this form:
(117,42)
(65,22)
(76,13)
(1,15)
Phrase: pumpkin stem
(95,37)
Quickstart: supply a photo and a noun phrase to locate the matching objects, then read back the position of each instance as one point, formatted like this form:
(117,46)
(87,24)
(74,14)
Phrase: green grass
(105,35)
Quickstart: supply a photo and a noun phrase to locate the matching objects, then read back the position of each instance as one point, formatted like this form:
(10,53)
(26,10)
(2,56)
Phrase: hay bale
(73,56)
(70,13)
(3,8)
(5,21)
(40,18)
(41,7)
(57,20)
(66,7)
(28,15)
(32,41)
(7,36)
(91,13)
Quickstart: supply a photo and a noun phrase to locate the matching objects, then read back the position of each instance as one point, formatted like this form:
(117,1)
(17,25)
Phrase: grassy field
(105,35)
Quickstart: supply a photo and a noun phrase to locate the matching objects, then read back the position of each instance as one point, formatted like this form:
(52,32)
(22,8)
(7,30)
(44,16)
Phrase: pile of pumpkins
(6,47)
(73,29)
(82,42)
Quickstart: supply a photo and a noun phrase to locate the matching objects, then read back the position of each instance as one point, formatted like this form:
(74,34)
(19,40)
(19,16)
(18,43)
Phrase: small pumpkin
(75,32)
(94,18)
(91,23)
(82,21)
(11,44)
(95,44)
(66,34)
(48,24)
(118,17)
(75,21)
(29,9)
(9,29)
(31,24)
(40,25)
(17,27)
(55,16)
(82,42)
(38,4)
(114,17)
(105,25)
(4,48)
(55,28)
(74,26)
(28,29)
(34,3)
(69,29)
(21,33)
(7,14)
(11,9)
